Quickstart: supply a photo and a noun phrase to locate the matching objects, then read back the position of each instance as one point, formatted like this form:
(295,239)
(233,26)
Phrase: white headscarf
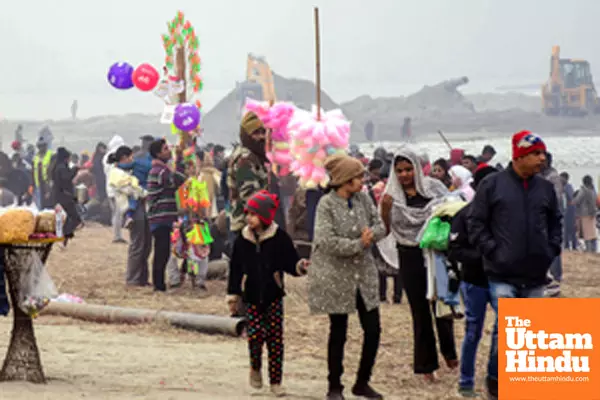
(406,222)
(460,173)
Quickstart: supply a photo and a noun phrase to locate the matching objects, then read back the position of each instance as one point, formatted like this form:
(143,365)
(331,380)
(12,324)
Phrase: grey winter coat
(585,201)
(340,265)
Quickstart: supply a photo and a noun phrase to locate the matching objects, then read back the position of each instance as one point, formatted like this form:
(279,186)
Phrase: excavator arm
(257,70)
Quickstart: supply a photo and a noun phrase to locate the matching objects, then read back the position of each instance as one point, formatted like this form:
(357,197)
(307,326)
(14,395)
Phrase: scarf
(406,222)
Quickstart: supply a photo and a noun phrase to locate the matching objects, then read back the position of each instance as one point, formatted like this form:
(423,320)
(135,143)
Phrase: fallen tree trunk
(106,314)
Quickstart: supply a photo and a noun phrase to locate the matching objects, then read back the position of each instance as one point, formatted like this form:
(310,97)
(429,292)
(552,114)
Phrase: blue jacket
(140,168)
(516,225)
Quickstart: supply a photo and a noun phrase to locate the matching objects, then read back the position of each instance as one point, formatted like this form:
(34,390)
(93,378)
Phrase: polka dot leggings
(266,325)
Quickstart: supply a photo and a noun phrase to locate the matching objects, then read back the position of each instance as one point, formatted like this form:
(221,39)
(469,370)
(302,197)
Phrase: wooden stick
(180,68)
(444,139)
(318,62)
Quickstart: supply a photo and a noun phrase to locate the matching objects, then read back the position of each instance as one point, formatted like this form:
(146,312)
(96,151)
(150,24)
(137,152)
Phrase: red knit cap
(482,166)
(264,205)
(525,142)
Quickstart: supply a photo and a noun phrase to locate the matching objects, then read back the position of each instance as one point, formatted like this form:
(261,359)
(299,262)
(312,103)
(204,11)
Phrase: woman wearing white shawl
(461,180)
(408,201)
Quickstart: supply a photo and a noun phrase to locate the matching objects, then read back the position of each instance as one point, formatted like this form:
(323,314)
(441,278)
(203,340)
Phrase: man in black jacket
(474,287)
(515,222)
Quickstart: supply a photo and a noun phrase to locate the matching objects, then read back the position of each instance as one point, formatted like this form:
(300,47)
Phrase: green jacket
(246,174)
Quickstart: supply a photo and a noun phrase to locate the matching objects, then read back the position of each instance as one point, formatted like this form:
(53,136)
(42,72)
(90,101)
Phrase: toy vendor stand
(22,362)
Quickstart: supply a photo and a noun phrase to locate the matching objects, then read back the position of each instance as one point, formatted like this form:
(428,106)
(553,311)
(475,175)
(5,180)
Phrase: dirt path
(100,362)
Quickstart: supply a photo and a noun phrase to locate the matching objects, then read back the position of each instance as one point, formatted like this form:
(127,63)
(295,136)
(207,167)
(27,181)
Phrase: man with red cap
(515,222)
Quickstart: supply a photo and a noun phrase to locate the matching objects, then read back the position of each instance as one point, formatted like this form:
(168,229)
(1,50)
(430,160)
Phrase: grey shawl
(406,222)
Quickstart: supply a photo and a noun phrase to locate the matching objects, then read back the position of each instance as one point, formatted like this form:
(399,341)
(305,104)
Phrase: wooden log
(22,361)
(106,314)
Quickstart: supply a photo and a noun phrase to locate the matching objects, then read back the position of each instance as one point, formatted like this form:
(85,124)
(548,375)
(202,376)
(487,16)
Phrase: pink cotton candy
(313,140)
(276,117)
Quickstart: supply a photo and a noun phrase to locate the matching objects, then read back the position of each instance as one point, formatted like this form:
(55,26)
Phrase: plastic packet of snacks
(45,222)
(16,224)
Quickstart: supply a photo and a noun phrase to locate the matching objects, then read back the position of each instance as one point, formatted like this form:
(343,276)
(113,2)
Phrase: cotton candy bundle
(276,118)
(313,141)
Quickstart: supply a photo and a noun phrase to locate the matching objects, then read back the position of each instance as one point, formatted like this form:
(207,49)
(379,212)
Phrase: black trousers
(414,278)
(162,252)
(338,327)
(383,280)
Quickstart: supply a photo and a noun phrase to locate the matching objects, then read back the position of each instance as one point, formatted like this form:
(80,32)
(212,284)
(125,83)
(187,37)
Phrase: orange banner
(546,349)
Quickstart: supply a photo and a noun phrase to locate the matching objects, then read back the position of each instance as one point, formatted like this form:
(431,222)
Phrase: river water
(579,156)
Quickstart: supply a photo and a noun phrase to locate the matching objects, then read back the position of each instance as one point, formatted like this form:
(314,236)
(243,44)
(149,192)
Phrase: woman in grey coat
(343,276)
(585,201)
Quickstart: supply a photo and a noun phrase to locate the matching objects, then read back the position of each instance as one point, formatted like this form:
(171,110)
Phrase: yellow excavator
(259,81)
(570,89)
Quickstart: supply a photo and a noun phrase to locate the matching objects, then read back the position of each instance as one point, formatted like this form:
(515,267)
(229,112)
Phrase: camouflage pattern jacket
(246,174)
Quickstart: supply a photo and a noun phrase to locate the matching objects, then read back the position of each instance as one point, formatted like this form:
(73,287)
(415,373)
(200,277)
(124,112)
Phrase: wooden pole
(318,62)
(180,69)
(444,139)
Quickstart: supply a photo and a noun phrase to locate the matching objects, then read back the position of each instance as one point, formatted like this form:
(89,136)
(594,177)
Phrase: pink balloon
(145,77)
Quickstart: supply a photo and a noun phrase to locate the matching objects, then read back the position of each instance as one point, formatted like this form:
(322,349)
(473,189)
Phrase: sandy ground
(96,361)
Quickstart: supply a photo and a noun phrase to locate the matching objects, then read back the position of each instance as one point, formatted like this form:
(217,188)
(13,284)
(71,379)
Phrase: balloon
(187,117)
(119,75)
(145,77)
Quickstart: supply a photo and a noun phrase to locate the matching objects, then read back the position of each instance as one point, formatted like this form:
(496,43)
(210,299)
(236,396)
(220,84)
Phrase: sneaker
(278,390)
(469,393)
(366,391)
(122,241)
(552,289)
(255,378)
(335,394)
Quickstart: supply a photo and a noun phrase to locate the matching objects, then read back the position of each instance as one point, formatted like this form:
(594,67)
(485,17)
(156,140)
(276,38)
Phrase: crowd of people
(365,227)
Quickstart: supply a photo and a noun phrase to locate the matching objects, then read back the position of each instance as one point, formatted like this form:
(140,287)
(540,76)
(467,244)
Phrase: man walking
(515,222)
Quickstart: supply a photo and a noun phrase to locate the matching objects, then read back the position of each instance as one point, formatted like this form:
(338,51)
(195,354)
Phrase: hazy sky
(57,51)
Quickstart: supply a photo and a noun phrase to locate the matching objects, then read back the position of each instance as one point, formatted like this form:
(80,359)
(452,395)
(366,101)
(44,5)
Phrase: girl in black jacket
(261,255)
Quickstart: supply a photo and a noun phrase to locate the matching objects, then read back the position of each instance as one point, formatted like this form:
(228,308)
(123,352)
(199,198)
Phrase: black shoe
(397,300)
(492,389)
(366,391)
(335,394)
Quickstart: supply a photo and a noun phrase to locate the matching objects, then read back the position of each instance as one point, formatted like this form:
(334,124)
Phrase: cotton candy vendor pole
(313,140)
(318,134)
(318,62)
(275,117)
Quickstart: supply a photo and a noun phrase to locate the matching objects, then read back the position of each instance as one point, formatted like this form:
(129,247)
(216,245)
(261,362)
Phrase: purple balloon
(187,117)
(119,75)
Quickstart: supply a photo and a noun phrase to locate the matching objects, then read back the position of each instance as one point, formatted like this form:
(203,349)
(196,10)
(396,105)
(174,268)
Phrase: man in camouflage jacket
(247,172)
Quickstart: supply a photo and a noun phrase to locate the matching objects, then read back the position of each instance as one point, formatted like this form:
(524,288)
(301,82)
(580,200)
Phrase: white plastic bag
(36,286)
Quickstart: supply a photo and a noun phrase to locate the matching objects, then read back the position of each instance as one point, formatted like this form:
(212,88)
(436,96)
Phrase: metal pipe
(107,314)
